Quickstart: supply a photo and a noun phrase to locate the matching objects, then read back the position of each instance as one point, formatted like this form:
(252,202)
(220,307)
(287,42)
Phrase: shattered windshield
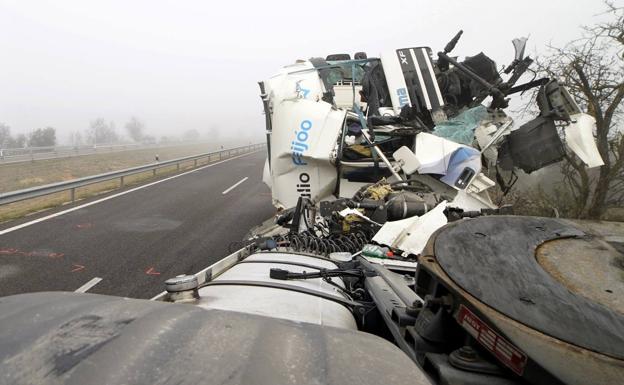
(346,72)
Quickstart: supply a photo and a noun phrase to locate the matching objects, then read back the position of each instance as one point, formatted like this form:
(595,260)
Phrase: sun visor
(304,135)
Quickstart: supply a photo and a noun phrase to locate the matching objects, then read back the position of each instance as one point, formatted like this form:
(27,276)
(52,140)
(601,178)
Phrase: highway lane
(135,241)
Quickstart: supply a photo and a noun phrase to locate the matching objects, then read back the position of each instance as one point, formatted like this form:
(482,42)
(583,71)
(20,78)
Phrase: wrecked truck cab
(335,125)
(301,158)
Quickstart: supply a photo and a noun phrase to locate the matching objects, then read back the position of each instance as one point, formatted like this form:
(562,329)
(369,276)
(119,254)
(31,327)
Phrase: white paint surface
(235,185)
(84,288)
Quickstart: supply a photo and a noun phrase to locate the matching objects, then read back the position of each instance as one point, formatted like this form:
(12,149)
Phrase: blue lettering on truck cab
(298,147)
(403,99)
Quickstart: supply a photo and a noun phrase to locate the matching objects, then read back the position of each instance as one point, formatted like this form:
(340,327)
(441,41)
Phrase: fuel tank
(247,288)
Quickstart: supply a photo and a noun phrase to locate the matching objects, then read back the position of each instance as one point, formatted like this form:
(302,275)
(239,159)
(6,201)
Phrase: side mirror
(407,160)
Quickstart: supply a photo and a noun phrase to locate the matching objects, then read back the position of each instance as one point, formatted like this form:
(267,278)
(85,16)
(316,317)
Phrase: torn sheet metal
(304,135)
(296,81)
(480,183)
(458,163)
(411,234)
(472,201)
(434,153)
(488,135)
(579,136)
(464,164)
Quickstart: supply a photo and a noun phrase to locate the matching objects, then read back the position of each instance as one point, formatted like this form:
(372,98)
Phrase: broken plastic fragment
(434,153)
(580,139)
(464,164)
(412,234)
(458,163)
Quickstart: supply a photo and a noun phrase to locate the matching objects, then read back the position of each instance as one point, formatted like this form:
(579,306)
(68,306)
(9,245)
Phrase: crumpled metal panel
(304,136)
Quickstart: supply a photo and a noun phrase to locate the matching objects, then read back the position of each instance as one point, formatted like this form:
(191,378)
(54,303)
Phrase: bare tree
(42,137)
(5,134)
(18,141)
(191,135)
(135,128)
(592,68)
(75,138)
(101,132)
(214,133)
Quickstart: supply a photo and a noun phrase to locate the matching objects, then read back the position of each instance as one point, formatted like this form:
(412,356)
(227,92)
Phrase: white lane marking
(235,185)
(11,229)
(88,285)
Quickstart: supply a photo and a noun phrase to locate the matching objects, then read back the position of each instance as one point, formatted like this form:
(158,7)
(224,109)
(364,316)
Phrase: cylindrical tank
(246,287)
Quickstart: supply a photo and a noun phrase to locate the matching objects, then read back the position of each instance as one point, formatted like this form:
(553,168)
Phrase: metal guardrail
(9,155)
(72,185)
(25,154)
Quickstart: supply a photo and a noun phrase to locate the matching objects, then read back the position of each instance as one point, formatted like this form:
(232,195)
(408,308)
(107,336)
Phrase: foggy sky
(179,65)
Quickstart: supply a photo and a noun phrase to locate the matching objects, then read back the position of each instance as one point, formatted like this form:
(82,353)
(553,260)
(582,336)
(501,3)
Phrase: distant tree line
(102,132)
(40,137)
(99,132)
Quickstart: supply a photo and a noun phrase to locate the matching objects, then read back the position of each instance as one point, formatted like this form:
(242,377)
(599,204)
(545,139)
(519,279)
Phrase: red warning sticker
(507,353)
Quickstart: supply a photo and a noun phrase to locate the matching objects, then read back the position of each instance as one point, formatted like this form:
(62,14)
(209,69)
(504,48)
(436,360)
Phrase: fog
(195,64)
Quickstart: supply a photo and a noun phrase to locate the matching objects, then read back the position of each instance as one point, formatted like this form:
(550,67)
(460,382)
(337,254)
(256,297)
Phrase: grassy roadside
(24,175)
(17,176)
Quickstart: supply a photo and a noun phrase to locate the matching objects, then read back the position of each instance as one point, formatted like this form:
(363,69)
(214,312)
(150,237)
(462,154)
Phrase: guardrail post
(178,166)
(154,172)
(73,194)
(195,161)
(121,182)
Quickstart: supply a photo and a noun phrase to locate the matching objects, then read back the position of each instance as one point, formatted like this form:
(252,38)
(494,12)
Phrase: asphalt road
(137,240)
